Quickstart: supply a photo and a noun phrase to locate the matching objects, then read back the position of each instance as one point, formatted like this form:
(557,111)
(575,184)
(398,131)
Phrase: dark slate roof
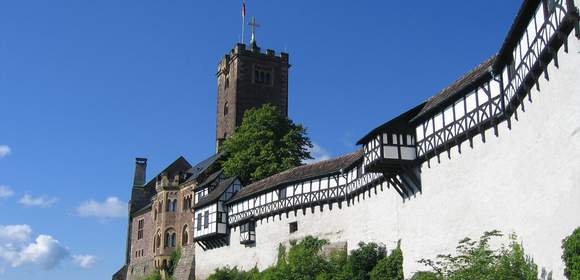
(215,194)
(297,174)
(398,124)
(144,209)
(457,88)
(179,165)
(209,180)
(202,166)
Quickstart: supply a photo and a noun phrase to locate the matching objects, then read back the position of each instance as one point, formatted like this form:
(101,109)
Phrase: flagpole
(243,18)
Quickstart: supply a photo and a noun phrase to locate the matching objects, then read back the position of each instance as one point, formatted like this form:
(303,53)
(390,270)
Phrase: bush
(153,276)
(304,260)
(425,275)
(228,273)
(391,267)
(175,256)
(571,255)
(476,260)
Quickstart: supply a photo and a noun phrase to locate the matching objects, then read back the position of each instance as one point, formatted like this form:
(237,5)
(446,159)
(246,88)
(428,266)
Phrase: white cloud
(40,201)
(4,150)
(18,233)
(318,153)
(112,207)
(84,261)
(5,191)
(45,251)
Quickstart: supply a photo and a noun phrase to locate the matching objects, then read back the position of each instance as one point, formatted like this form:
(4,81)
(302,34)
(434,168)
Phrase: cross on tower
(254,25)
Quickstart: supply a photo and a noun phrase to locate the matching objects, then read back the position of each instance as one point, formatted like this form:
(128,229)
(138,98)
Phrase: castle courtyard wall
(526,180)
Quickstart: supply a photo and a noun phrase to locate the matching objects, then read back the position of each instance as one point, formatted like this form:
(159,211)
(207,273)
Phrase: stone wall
(141,265)
(526,181)
(185,268)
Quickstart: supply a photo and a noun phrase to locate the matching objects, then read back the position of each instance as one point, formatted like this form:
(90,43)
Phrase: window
(248,232)
(184,236)
(186,203)
(171,205)
(198,221)
(140,229)
(170,238)
(206,219)
(262,77)
(226,109)
(282,193)
(156,241)
(293,227)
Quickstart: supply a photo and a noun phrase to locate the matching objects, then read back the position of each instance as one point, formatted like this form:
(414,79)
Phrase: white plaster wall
(527,181)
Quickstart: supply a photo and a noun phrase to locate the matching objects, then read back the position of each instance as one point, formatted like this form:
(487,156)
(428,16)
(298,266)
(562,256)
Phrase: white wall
(526,181)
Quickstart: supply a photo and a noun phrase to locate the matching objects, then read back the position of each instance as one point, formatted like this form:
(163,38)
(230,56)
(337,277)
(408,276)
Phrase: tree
(390,267)
(571,255)
(362,260)
(266,143)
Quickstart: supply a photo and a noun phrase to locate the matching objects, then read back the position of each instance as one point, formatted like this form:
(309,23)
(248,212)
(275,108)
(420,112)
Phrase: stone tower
(248,78)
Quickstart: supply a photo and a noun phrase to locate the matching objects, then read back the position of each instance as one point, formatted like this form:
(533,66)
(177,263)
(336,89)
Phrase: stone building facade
(497,149)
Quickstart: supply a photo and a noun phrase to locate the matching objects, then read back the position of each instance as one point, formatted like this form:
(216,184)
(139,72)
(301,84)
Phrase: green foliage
(266,143)
(304,261)
(571,255)
(362,260)
(175,256)
(476,260)
(425,275)
(228,273)
(153,276)
(390,267)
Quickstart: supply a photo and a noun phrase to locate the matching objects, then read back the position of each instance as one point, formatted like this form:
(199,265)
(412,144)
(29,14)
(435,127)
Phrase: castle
(497,149)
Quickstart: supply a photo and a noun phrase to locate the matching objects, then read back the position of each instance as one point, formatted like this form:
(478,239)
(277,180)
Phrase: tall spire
(254,24)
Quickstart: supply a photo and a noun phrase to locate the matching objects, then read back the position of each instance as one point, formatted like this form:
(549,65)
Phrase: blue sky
(87,86)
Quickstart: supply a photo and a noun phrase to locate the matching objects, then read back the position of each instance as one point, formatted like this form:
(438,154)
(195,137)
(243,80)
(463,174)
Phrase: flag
(243,9)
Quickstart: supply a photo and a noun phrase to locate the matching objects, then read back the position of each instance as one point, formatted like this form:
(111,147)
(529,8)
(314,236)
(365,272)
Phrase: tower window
(262,77)
(226,108)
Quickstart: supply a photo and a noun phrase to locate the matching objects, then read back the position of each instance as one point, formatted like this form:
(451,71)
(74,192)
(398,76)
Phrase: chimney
(140,167)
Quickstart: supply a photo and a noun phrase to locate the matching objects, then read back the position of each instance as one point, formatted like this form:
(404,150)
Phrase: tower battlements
(256,53)
(249,78)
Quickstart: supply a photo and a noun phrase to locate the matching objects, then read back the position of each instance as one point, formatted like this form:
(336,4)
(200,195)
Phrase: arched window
(169,238)
(157,241)
(184,236)
(171,205)
(226,108)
